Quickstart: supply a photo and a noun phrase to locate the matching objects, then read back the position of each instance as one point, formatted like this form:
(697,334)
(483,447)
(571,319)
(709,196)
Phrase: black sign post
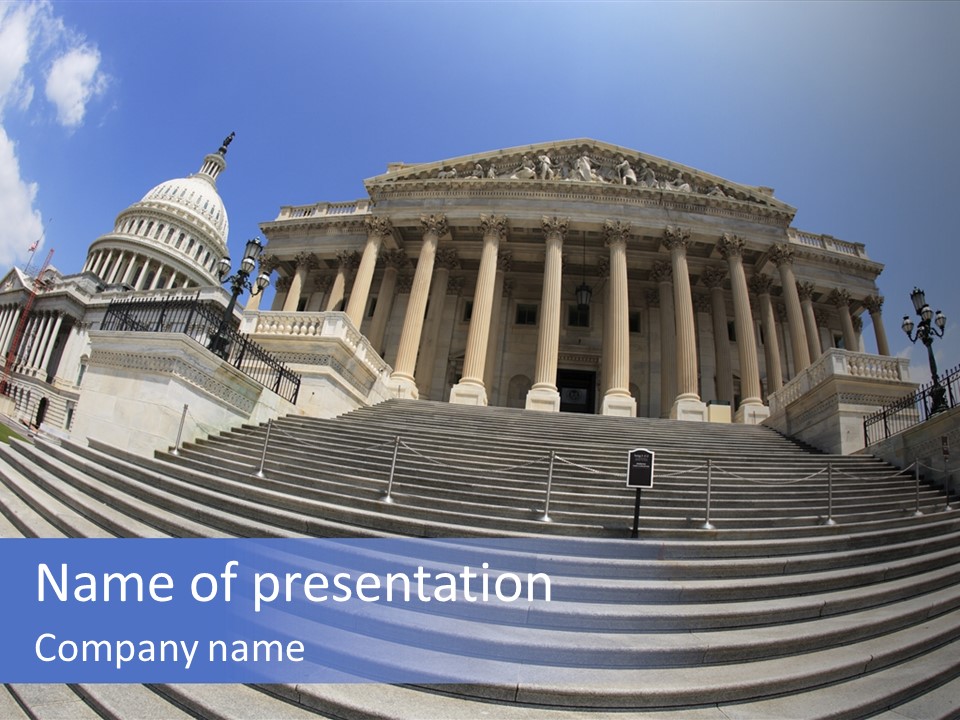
(639,476)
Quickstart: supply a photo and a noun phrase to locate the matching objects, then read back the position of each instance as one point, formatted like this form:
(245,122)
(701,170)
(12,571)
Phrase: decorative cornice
(553,227)
(676,237)
(713,276)
(494,225)
(434,224)
(661,271)
(805,290)
(730,245)
(761,284)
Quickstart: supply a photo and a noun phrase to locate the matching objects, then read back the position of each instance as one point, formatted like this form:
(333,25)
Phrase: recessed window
(732,331)
(526,314)
(467,310)
(634,321)
(578,316)
(372,308)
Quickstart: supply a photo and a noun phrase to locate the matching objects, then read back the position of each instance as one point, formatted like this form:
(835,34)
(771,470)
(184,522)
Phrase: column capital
(652,296)
(305,259)
(730,245)
(713,276)
(434,224)
(615,232)
(494,225)
(269,262)
(761,284)
(455,284)
(805,290)
(448,259)
(505,261)
(840,297)
(283,283)
(661,271)
(873,303)
(781,311)
(603,267)
(702,303)
(554,227)
(404,283)
(821,317)
(676,237)
(348,259)
(396,259)
(857,323)
(781,255)
(322,282)
(378,226)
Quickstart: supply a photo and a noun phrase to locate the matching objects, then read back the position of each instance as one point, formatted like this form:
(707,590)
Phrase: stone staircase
(774,613)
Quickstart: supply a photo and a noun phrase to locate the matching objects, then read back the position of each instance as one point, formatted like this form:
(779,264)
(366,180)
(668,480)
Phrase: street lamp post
(930,326)
(219,342)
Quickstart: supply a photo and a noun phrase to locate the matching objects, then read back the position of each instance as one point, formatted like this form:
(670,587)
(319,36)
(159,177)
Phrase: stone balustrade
(324,209)
(827,242)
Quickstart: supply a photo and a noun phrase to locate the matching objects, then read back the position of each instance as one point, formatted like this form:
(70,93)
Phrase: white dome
(197,195)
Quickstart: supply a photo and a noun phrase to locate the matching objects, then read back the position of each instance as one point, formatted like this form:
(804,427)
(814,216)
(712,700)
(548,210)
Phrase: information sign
(640,468)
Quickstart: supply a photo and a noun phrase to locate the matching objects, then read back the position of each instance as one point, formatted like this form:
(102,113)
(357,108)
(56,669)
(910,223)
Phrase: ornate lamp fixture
(238,283)
(584,292)
(926,332)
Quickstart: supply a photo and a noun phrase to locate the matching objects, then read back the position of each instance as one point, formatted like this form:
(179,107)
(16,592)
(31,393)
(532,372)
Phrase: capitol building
(573,276)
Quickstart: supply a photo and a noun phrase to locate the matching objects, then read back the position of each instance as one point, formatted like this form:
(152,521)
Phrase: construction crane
(32,291)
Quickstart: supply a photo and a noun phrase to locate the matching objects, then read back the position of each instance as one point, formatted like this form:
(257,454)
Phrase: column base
(468,394)
(403,387)
(544,399)
(619,405)
(689,409)
(751,414)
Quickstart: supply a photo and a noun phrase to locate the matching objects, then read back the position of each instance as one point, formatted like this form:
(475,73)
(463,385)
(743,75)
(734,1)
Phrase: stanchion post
(830,520)
(635,531)
(546,508)
(707,525)
(917,512)
(183,419)
(946,483)
(387,497)
(263,452)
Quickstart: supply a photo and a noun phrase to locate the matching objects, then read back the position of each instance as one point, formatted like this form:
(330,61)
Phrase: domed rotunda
(173,238)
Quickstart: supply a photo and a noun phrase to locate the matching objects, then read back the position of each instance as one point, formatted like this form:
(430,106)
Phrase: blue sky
(851,111)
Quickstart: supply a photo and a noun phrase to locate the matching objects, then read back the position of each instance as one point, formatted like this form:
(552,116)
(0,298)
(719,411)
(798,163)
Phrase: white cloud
(17,32)
(73,81)
(20,222)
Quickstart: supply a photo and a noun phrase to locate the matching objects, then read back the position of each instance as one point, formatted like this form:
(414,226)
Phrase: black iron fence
(912,409)
(201,321)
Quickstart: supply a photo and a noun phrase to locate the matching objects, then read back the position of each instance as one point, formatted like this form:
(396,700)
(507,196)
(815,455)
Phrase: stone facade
(644,235)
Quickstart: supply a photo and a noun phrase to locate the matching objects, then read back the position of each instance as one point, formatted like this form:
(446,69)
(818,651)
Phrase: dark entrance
(578,391)
(41,410)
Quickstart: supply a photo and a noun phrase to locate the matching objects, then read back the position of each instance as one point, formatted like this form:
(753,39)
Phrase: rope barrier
(473,469)
(582,467)
(892,476)
(771,482)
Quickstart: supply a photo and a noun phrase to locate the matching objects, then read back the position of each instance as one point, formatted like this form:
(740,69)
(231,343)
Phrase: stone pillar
(761,284)
(471,390)
(128,274)
(280,297)
(504,260)
(141,276)
(48,351)
(347,261)
(662,275)
(751,409)
(402,380)
(841,298)
(713,278)
(617,399)
(114,269)
(782,257)
(874,304)
(805,293)
(543,395)
(393,260)
(687,405)
(43,324)
(377,229)
(304,262)
(446,260)
(858,330)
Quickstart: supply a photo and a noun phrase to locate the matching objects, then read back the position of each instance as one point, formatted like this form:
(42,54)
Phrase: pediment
(14,280)
(579,163)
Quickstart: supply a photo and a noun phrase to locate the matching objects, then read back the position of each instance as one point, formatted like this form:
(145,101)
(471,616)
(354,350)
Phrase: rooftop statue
(226,141)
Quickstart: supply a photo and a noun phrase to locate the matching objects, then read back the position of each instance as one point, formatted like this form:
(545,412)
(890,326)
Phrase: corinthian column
(805,293)
(874,304)
(713,278)
(687,405)
(377,229)
(346,262)
(402,380)
(761,284)
(841,298)
(504,261)
(304,261)
(751,409)
(782,257)
(446,260)
(617,399)
(393,261)
(543,394)
(268,263)
(662,275)
(470,390)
